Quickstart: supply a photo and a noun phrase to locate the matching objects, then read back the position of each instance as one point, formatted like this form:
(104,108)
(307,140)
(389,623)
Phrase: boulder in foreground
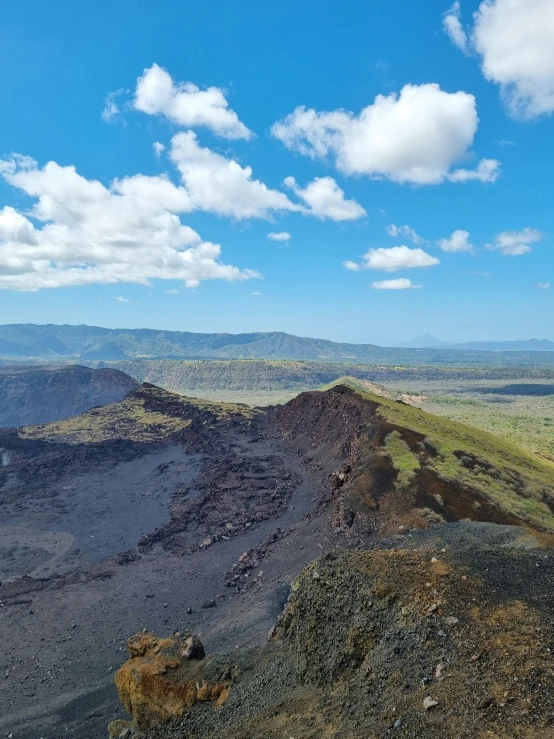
(163,679)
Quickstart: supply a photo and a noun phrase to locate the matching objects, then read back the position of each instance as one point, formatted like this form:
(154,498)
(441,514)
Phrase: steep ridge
(30,395)
(401,466)
(175,514)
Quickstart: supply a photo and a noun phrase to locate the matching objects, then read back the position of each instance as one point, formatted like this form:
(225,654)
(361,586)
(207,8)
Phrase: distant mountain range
(426,341)
(92,343)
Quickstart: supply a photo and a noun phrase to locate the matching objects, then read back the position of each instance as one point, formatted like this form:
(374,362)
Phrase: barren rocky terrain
(172,514)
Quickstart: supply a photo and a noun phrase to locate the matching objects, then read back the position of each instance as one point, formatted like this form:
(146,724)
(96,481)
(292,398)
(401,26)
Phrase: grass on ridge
(516,480)
(403,459)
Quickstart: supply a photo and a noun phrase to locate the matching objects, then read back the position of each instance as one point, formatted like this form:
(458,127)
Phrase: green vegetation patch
(403,459)
(518,481)
(522,420)
(455,401)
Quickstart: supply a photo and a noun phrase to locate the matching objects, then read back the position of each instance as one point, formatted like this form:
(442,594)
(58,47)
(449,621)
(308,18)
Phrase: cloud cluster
(514,40)
(401,283)
(186,104)
(222,186)
(415,137)
(393,259)
(459,241)
(80,232)
(515,243)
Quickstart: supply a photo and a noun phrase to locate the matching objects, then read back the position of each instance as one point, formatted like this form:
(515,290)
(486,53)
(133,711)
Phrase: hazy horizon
(394,342)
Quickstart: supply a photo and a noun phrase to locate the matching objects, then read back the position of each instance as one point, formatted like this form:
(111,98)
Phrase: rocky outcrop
(408,644)
(163,679)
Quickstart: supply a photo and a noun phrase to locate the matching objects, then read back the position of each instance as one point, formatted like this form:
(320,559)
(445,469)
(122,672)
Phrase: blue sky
(459,141)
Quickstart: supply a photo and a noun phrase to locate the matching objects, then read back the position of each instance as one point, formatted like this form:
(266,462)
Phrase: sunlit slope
(418,443)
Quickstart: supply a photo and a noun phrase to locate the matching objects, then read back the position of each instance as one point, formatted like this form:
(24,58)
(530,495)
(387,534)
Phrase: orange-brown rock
(164,678)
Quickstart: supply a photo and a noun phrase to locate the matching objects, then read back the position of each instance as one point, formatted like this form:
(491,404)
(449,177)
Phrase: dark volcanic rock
(391,639)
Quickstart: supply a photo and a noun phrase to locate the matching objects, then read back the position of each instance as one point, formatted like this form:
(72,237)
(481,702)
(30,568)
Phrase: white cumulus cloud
(394,230)
(121,299)
(452,24)
(221,185)
(393,259)
(515,243)
(186,104)
(326,199)
(80,232)
(279,236)
(459,241)
(159,148)
(415,137)
(401,283)
(514,41)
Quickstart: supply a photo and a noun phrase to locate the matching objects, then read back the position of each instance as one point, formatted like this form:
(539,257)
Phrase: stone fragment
(162,680)
(194,649)
(484,703)
(117,727)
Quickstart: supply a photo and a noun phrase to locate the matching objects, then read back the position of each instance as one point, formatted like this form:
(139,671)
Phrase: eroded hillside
(402,466)
(39,394)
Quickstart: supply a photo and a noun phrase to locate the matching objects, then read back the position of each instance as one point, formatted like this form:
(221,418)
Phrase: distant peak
(425,341)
